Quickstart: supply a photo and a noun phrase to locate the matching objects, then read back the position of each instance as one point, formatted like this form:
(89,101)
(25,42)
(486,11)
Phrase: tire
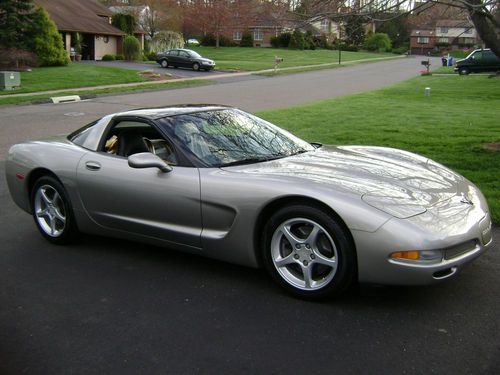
(464,71)
(196,66)
(308,253)
(164,63)
(52,211)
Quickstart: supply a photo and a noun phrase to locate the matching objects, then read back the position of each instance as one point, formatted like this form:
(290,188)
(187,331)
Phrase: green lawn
(450,126)
(5,100)
(72,76)
(239,58)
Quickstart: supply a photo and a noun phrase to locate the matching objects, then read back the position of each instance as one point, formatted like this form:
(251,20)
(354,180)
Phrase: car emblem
(465,199)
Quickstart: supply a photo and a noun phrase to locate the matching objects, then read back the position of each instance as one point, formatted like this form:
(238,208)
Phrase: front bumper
(461,232)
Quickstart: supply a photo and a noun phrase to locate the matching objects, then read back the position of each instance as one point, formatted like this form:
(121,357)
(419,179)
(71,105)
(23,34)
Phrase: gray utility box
(9,80)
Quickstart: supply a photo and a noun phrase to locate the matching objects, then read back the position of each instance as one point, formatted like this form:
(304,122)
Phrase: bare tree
(482,13)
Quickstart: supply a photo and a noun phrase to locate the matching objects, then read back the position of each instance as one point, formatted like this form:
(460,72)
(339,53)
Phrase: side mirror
(148,160)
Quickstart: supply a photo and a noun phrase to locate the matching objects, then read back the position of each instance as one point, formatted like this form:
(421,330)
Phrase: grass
(251,59)
(73,76)
(450,126)
(112,90)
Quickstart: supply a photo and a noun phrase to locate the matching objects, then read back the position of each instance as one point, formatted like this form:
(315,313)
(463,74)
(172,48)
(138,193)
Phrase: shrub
(46,42)
(246,40)
(377,42)
(275,42)
(400,50)
(108,58)
(119,57)
(131,48)
(309,40)
(17,58)
(297,40)
(284,39)
(151,56)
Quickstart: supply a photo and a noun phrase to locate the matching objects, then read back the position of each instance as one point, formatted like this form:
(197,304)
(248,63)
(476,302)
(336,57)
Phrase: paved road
(115,307)
(18,123)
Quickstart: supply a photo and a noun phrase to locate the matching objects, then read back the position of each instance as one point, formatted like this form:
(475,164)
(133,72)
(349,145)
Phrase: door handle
(92,166)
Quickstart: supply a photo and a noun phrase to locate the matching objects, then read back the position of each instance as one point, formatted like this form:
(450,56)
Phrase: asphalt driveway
(179,72)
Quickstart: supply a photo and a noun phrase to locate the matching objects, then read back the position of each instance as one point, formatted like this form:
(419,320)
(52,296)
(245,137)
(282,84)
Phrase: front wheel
(164,63)
(464,71)
(307,252)
(52,211)
(196,66)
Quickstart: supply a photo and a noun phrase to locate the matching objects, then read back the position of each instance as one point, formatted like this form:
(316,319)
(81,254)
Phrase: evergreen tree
(45,40)
(15,20)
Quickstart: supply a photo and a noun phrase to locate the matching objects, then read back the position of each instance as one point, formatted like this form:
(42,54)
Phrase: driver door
(146,201)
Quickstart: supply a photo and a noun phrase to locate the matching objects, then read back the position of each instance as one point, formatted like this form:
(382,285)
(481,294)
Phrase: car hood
(397,182)
(203,59)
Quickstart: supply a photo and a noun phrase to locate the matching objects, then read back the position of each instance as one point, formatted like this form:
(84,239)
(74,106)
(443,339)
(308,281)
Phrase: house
(92,20)
(422,40)
(443,35)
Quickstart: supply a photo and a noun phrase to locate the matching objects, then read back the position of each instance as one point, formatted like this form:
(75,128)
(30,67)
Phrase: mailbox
(9,80)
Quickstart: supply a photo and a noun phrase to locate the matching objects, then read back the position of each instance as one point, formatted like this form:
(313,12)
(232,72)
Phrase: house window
(444,30)
(237,35)
(443,40)
(258,34)
(324,25)
(423,40)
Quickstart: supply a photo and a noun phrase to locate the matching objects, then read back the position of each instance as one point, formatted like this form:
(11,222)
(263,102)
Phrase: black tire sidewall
(196,67)
(164,64)
(346,264)
(70,230)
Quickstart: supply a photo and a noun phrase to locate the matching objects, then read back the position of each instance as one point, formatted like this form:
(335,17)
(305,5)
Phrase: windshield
(195,54)
(232,137)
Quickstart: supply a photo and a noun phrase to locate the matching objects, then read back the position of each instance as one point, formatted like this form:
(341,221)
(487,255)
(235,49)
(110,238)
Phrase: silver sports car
(219,182)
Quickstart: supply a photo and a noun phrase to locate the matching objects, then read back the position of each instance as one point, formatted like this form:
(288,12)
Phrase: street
(115,307)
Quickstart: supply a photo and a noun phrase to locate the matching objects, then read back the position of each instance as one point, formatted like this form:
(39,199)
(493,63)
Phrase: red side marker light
(19,176)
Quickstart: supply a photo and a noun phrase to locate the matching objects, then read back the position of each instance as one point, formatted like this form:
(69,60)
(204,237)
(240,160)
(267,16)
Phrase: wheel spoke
(321,259)
(43,194)
(60,216)
(289,235)
(313,236)
(42,213)
(52,225)
(283,262)
(307,273)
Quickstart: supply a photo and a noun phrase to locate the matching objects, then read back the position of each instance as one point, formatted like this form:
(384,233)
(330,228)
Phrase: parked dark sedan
(185,58)
(479,60)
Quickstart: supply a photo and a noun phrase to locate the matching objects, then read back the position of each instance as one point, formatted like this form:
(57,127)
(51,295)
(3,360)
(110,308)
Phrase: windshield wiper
(249,161)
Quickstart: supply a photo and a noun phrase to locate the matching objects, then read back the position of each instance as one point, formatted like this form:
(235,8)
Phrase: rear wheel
(164,63)
(196,66)
(464,71)
(52,211)
(307,252)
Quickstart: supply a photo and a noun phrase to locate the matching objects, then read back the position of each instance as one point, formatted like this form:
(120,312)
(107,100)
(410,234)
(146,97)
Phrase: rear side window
(80,136)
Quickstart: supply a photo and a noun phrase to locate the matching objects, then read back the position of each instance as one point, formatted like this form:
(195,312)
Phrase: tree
(15,20)
(46,41)
(354,29)
(124,22)
(246,39)
(482,13)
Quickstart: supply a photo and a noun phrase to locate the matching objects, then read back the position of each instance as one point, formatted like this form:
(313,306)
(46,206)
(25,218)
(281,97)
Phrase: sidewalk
(211,77)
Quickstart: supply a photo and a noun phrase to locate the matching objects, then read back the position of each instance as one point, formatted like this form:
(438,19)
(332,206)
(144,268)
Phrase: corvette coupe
(216,181)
